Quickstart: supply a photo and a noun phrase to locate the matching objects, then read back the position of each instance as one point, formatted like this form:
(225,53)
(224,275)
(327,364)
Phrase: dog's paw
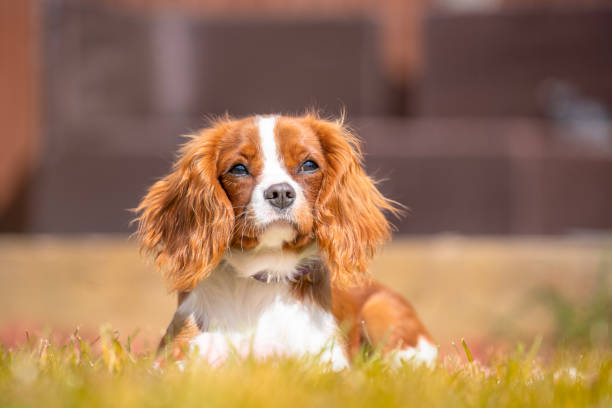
(214,348)
(336,357)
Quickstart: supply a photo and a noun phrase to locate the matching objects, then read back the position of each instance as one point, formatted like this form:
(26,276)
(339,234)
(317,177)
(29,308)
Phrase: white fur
(237,312)
(281,264)
(424,353)
(275,235)
(274,172)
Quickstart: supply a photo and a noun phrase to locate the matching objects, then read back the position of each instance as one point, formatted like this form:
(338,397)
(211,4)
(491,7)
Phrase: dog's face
(264,181)
(272,171)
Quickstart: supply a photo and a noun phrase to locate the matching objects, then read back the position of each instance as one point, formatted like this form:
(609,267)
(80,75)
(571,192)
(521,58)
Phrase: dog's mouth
(280,223)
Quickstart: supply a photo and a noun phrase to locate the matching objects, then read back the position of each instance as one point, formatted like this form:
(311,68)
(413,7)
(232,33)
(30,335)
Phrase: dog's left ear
(185,221)
(349,220)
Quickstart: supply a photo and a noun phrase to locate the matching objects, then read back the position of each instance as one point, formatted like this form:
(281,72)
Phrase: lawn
(81,374)
(498,293)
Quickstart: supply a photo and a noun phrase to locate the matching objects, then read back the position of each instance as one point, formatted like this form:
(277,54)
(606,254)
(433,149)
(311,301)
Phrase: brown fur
(374,315)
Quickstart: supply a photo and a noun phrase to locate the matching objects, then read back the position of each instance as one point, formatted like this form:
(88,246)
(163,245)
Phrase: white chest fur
(269,257)
(240,310)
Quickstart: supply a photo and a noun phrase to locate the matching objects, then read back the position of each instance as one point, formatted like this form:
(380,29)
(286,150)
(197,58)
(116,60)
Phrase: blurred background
(489,119)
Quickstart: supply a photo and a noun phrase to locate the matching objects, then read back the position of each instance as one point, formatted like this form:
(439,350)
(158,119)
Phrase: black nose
(280,195)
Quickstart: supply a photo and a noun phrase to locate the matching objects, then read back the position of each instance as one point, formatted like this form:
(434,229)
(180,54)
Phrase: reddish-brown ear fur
(349,219)
(185,221)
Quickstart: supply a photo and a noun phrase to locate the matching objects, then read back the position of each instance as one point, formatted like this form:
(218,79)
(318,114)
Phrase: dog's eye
(239,170)
(308,166)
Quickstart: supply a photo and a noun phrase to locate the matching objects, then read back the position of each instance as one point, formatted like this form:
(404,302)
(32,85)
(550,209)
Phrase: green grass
(106,373)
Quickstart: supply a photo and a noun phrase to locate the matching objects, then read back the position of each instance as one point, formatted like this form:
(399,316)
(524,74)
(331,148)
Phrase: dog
(265,228)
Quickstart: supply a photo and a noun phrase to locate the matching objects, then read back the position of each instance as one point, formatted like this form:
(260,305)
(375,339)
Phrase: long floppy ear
(185,221)
(350,224)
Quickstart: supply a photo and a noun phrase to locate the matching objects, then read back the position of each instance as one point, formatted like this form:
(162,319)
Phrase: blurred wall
(483,116)
(399,21)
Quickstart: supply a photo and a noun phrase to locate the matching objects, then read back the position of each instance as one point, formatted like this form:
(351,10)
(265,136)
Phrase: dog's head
(263,181)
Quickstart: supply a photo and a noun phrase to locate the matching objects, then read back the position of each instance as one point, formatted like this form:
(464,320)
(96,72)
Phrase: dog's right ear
(185,221)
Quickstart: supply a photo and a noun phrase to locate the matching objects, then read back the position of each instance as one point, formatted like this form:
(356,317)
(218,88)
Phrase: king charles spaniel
(265,228)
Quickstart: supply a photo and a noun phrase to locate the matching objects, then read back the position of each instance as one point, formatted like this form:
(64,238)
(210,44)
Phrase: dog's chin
(276,233)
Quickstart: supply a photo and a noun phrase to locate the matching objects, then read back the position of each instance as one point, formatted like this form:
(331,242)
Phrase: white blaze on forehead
(273,168)
(274,172)
(266,126)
